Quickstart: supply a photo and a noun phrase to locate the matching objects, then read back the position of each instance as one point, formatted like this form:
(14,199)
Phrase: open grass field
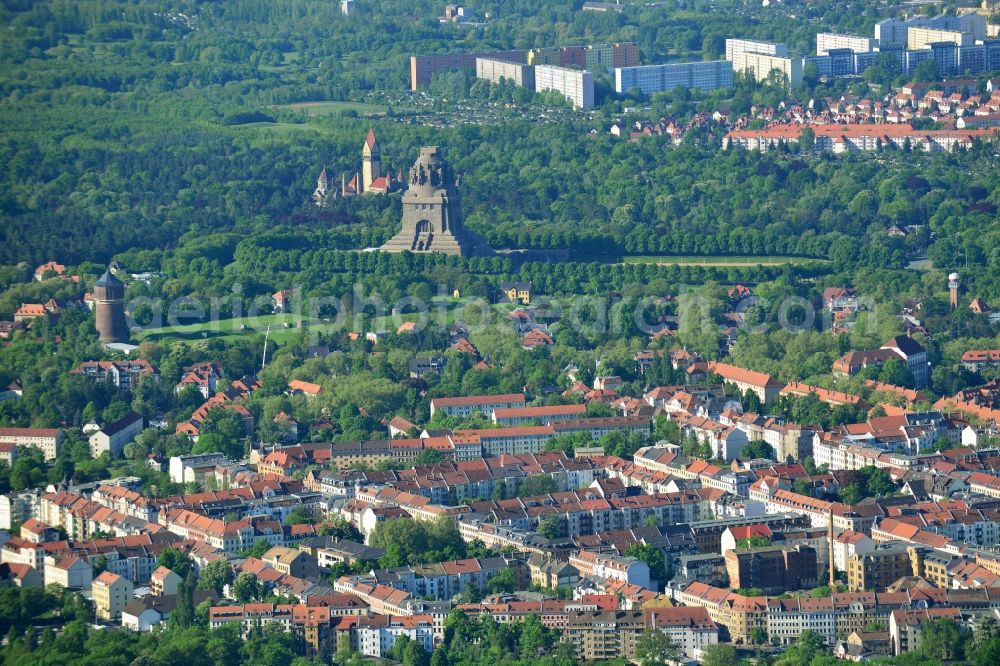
(330,108)
(279,128)
(731,260)
(287,326)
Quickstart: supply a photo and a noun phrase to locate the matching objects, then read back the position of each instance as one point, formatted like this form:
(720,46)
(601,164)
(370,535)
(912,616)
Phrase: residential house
(308,389)
(51,267)
(516,292)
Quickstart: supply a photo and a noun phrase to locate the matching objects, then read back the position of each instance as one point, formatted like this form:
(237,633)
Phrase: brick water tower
(109,306)
(953,289)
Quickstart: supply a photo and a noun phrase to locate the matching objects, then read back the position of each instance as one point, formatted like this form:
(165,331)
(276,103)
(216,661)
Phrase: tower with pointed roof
(322,189)
(371,161)
(109,306)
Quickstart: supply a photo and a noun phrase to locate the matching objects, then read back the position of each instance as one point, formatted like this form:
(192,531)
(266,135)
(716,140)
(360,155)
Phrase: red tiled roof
(737,374)
(305,387)
(478,400)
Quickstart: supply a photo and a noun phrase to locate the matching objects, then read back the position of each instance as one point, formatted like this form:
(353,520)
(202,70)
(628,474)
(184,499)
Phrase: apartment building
(189,469)
(576,85)
(601,635)
(788,618)
(840,138)
(111,594)
(483,404)
(612,567)
(444,580)
(600,426)
(760,66)
(884,565)
(164,582)
(977,360)
(737,46)
(551,574)
(906,626)
(606,56)
(894,33)
(290,561)
(123,374)
(68,571)
(228,536)
(47,440)
(774,569)
(544,415)
(112,438)
(513,440)
(918,38)
(423,67)
(649,79)
(828,41)
(17,507)
(847,544)
(494,71)
(765,386)
(377,634)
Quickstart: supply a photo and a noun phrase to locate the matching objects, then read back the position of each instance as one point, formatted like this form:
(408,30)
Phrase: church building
(369,181)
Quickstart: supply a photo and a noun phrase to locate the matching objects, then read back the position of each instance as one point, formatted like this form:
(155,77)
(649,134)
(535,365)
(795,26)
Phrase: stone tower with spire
(432,216)
(109,306)
(371,161)
(322,189)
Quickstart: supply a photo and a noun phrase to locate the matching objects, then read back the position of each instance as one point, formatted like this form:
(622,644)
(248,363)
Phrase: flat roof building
(495,70)
(650,79)
(576,85)
(735,46)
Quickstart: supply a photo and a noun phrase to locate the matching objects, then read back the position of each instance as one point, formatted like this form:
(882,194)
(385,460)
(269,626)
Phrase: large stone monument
(432,216)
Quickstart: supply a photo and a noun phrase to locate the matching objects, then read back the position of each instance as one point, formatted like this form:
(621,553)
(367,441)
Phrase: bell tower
(371,161)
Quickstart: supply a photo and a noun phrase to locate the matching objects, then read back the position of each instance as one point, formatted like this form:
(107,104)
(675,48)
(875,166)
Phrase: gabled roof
(107,578)
(307,388)
(737,374)
(905,344)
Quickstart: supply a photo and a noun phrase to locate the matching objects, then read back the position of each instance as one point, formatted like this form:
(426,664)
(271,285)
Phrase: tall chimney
(832,578)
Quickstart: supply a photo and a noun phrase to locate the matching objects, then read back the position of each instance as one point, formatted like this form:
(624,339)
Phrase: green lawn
(330,107)
(727,260)
(231,329)
(279,128)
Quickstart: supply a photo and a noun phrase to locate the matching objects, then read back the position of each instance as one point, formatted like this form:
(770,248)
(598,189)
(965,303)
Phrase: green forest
(126,127)
(148,133)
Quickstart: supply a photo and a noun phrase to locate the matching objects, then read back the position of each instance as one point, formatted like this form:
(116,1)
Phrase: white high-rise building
(761,65)
(657,78)
(894,33)
(827,41)
(577,85)
(736,46)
